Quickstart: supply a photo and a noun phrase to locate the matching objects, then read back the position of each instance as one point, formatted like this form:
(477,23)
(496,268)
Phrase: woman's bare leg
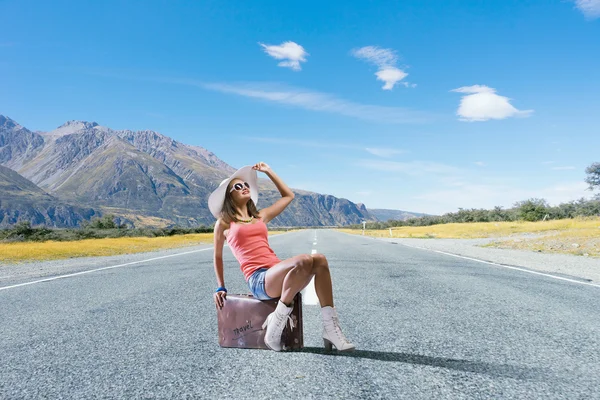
(323,285)
(287,278)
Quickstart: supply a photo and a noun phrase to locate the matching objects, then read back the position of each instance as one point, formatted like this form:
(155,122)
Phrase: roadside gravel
(584,268)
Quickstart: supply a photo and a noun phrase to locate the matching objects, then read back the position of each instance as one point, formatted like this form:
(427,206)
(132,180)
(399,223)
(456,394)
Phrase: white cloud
(298,97)
(488,196)
(390,75)
(377,56)
(297,142)
(451,180)
(385,60)
(564,192)
(318,101)
(482,103)
(589,8)
(291,53)
(381,152)
(479,163)
(563,168)
(453,188)
(413,168)
(384,152)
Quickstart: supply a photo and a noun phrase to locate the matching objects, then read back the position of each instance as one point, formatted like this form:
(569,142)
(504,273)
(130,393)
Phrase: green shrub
(532,209)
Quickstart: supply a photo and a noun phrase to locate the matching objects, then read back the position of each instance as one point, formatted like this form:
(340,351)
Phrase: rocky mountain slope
(21,199)
(144,177)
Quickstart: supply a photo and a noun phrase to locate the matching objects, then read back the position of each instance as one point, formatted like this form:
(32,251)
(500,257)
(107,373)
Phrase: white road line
(112,266)
(100,269)
(503,266)
(489,262)
(309,294)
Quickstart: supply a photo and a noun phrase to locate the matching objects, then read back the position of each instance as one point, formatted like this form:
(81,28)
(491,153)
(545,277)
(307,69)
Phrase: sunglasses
(239,186)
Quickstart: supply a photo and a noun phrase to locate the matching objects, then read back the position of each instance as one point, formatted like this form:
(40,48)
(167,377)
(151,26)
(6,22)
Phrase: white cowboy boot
(332,333)
(275,323)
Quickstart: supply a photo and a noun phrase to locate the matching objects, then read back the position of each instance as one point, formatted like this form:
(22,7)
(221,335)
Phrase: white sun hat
(216,198)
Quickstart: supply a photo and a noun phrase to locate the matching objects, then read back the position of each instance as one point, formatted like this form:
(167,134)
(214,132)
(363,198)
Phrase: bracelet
(221,289)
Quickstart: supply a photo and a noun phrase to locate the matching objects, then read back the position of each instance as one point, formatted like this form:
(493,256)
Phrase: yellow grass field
(571,236)
(52,250)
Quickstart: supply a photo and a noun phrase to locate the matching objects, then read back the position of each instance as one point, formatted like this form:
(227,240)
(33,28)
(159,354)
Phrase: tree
(22,228)
(532,209)
(106,222)
(593,178)
(499,214)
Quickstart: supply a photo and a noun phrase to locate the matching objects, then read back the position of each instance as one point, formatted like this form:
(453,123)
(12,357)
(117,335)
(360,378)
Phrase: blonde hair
(228,212)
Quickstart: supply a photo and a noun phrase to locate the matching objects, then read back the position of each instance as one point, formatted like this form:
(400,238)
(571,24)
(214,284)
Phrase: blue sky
(412,105)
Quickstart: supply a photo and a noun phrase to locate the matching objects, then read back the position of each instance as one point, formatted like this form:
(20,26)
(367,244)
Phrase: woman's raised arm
(287,195)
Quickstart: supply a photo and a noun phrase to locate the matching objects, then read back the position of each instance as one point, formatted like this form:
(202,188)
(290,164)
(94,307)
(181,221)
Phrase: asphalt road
(426,326)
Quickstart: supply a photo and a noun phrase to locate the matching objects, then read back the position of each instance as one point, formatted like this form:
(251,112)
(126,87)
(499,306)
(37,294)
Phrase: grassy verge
(484,229)
(56,250)
(581,242)
(570,236)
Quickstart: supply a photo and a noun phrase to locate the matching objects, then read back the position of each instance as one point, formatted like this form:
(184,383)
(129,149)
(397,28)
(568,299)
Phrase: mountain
(21,199)
(144,177)
(17,144)
(385,215)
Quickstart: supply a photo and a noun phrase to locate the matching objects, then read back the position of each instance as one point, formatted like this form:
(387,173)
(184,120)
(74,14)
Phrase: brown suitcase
(242,316)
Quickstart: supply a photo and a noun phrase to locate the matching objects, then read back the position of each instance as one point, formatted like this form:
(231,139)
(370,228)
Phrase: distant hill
(143,177)
(21,199)
(384,215)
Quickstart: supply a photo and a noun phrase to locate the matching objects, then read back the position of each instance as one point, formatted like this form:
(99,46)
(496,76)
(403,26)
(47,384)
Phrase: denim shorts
(256,283)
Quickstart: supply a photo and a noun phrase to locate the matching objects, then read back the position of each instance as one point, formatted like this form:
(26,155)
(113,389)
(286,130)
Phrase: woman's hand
(220,297)
(262,167)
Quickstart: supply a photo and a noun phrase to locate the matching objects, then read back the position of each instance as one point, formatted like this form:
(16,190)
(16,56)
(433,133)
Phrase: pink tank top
(250,246)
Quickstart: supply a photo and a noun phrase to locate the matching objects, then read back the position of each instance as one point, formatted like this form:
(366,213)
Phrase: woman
(239,222)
